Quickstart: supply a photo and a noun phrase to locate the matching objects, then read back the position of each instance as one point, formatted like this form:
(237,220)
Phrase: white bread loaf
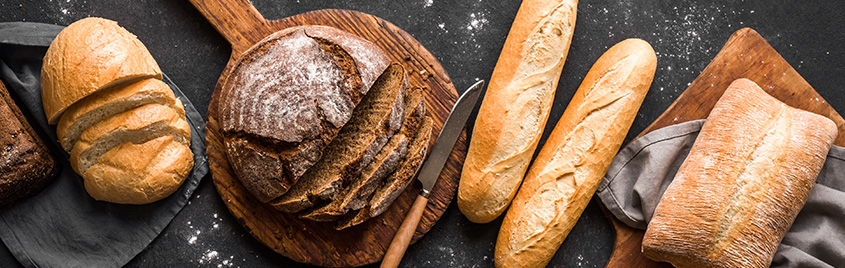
(125,131)
(139,173)
(106,103)
(138,125)
(89,55)
(516,107)
(576,156)
(747,176)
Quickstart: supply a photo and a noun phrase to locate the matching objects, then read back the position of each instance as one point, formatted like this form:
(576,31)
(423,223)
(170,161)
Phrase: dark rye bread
(288,97)
(396,183)
(377,118)
(26,165)
(357,194)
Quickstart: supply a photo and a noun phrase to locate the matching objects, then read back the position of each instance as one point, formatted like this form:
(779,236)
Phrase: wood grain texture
(319,243)
(745,55)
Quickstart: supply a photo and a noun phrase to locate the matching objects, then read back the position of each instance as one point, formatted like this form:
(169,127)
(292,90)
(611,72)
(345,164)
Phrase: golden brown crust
(139,173)
(137,125)
(576,155)
(744,181)
(106,103)
(516,107)
(87,56)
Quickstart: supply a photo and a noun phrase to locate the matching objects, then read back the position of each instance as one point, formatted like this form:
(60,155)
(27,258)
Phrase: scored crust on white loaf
(747,176)
(106,103)
(89,55)
(139,173)
(372,124)
(575,157)
(516,107)
(138,125)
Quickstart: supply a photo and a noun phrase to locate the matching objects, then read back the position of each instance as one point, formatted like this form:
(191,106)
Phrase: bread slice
(357,194)
(748,174)
(372,123)
(106,103)
(26,165)
(139,173)
(353,196)
(87,56)
(288,97)
(396,183)
(138,125)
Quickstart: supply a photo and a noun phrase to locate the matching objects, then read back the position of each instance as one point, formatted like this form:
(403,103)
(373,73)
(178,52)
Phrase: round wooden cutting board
(319,243)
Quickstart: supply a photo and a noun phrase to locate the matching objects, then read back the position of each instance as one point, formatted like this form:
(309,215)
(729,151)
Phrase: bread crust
(288,97)
(516,107)
(26,164)
(135,126)
(371,126)
(576,155)
(106,103)
(747,176)
(87,56)
(139,173)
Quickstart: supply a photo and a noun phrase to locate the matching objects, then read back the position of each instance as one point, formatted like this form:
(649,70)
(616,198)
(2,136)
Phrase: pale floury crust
(575,157)
(746,178)
(516,107)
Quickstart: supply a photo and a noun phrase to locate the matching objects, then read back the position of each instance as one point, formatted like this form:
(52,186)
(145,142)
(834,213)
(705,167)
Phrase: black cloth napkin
(62,226)
(643,169)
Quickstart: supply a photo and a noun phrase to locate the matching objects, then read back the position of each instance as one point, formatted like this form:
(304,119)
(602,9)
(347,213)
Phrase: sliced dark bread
(396,183)
(357,194)
(372,123)
(288,97)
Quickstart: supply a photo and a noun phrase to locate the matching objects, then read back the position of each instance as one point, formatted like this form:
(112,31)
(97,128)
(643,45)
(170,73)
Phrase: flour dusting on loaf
(743,183)
(288,97)
(516,107)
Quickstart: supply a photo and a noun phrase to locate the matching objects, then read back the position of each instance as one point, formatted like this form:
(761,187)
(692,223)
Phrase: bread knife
(430,171)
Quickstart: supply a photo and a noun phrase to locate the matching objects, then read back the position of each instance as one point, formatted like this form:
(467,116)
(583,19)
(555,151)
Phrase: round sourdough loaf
(90,55)
(288,97)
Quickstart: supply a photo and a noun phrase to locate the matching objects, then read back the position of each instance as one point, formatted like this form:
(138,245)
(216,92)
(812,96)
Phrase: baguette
(576,156)
(747,176)
(516,107)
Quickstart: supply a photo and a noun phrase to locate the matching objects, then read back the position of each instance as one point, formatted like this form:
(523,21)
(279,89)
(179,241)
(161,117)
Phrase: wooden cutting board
(745,55)
(319,243)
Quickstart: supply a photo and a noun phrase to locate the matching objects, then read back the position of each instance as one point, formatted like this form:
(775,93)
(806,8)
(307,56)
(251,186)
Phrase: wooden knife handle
(237,20)
(403,236)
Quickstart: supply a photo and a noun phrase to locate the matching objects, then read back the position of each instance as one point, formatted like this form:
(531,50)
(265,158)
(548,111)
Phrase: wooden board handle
(237,20)
(403,236)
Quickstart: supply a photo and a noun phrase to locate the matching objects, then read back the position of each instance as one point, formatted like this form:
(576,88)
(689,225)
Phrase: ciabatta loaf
(576,156)
(747,176)
(516,107)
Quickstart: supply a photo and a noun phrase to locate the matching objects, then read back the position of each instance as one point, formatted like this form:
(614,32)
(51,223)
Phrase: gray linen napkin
(62,226)
(644,168)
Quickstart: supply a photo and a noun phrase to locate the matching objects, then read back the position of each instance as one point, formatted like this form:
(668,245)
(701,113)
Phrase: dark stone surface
(466,36)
